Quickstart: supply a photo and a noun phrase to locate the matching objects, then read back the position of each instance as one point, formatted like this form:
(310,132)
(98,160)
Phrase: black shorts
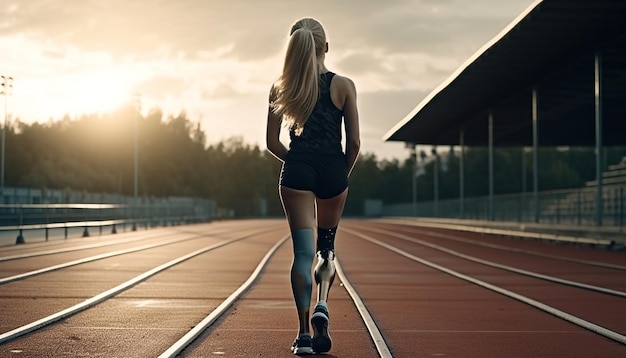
(325,175)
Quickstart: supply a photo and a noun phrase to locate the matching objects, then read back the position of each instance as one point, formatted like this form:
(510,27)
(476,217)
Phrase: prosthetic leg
(324,277)
(325,268)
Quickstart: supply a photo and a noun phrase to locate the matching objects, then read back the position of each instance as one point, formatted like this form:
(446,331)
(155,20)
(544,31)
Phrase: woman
(311,102)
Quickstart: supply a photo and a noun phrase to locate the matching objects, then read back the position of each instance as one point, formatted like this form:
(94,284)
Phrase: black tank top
(322,131)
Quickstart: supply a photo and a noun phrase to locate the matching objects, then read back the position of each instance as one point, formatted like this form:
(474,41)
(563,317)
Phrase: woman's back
(322,131)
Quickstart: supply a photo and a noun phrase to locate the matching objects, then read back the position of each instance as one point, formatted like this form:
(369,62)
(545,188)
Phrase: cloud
(216,59)
(380,111)
(256,28)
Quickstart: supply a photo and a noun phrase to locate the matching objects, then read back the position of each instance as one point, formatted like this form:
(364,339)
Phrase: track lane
(220,310)
(99,297)
(506,264)
(264,322)
(43,295)
(549,293)
(75,245)
(537,256)
(82,260)
(453,310)
(162,306)
(419,311)
(556,250)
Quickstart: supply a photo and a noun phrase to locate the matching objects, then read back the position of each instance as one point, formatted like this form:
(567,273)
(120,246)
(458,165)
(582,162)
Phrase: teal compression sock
(303,254)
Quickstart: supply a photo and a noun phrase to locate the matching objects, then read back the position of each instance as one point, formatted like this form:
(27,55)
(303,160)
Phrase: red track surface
(420,310)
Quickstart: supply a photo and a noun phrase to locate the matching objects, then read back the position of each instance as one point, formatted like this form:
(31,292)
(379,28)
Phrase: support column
(535,156)
(599,145)
(491,209)
(522,210)
(436,182)
(461,174)
(413,152)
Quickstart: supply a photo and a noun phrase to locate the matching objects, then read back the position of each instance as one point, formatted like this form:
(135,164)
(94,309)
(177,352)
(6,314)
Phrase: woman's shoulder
(343,82)
(341,78)
(341,89)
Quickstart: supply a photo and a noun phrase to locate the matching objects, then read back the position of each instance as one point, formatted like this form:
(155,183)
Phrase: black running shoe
(302,345)
(321,336)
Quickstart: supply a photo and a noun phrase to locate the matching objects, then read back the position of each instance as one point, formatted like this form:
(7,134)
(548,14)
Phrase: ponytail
(297,88)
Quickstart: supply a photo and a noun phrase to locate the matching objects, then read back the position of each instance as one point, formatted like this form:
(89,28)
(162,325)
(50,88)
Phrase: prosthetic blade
(324,273)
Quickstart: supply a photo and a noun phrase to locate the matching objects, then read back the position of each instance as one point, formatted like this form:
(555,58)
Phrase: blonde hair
(296,91)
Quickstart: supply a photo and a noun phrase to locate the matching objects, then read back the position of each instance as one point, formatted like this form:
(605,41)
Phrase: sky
(215,60)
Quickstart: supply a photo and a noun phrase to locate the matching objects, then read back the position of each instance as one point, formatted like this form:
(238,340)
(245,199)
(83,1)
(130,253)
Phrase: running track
(222,290)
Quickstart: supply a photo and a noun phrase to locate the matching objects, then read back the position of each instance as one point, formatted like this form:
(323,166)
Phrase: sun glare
(95,92)
(85,92)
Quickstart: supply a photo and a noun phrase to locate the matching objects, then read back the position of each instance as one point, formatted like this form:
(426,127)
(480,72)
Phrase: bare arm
(351,122)
(272,133)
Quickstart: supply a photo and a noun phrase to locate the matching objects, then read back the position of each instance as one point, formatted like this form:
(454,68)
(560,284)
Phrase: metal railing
(29,217)
(572,207)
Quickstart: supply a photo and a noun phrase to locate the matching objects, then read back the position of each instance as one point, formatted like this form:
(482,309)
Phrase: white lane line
(377,337)
(81,247)
(107,294)
(185,340)
(507,232)
(109,243)
(504,267)
(528,252)
(93,258)
(98,257)
(549,309)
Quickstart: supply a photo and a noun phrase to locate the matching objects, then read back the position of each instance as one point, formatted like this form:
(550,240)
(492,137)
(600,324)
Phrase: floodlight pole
(136,157)
(7,86)
(136,152)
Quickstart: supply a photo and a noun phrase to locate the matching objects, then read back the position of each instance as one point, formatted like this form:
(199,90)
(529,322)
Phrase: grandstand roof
(551,46)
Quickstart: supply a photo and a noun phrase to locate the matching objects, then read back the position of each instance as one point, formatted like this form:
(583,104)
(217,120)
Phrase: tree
(95,153)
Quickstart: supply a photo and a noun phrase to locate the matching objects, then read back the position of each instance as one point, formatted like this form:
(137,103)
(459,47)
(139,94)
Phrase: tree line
(95,153)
